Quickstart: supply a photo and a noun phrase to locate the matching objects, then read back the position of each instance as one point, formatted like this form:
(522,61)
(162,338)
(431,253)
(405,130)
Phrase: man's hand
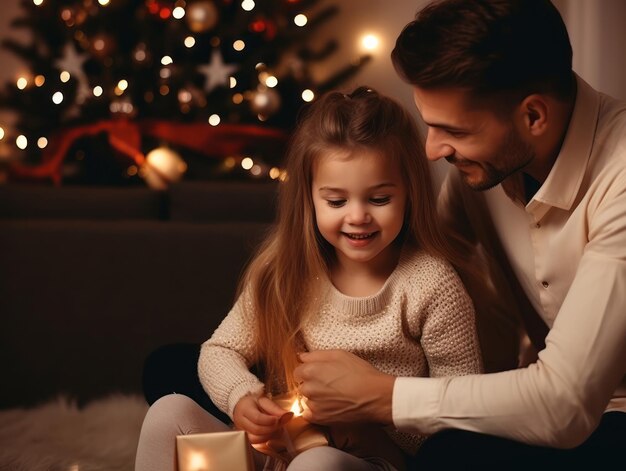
(260,417)
(340,387)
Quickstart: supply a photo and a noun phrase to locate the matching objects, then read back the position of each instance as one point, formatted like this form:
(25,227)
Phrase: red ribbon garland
(125,137)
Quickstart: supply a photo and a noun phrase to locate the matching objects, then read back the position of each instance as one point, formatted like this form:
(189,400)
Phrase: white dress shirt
(567,249)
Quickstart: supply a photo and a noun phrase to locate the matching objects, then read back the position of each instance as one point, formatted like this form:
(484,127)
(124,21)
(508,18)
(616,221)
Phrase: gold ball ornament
(265,102)
(202,16)
(162,167)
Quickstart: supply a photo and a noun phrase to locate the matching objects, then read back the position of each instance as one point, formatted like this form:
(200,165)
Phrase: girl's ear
(535,114)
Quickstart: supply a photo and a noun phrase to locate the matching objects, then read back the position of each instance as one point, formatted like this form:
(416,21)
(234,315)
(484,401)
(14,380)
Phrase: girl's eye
(457,134)
(336,203)
(380,201)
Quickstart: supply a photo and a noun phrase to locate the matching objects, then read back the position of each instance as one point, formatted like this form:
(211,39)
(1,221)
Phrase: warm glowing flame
(296,407)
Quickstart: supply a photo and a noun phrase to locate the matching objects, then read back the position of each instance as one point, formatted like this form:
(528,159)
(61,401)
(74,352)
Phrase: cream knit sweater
(420,323)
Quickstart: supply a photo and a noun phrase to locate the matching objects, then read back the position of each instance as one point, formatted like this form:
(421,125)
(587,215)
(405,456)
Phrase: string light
(21,142)
(166,60)
(300,20)
(274,173)
(271,81)
(40,80)
(370,42)
(1,133)
(22,83)
(42,142)
(64,76)
(122,85)
(239,45)
(214,120)
(247,5)
(190,41)
(178,13)
(104,3)
(247,163)
(165,73)
(237,98)
(308,95)
(38,2)
(57,98)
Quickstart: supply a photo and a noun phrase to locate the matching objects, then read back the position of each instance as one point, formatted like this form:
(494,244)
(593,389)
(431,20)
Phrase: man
(539,188)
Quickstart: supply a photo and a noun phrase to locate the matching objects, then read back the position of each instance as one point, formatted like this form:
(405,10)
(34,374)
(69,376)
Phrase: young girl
(355,262)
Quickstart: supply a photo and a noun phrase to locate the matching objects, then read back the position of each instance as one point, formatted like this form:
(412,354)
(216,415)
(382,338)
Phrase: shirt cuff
(415,404)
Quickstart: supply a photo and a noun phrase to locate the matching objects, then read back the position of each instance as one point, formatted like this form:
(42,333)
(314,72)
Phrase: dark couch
(94,279)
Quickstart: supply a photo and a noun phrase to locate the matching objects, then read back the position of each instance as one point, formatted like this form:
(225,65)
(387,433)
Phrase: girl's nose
(358,214)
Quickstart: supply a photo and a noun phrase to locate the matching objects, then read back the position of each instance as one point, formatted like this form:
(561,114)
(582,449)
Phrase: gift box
(214,452)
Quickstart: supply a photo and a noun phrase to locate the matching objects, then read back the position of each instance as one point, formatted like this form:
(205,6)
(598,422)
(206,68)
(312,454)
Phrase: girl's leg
(171,415)
(332,459)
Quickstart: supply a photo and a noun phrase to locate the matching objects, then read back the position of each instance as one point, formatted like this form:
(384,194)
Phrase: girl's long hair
(284,275)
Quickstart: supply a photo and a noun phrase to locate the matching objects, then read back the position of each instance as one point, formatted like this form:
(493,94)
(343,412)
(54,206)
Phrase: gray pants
(176,414)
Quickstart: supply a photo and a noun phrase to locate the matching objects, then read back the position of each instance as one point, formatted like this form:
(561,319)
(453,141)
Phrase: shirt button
(545,284)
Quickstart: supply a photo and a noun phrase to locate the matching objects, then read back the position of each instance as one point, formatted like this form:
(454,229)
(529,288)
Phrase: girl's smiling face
(359,199)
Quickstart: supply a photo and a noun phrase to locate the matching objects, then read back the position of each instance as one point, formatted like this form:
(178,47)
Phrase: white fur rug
(58,436)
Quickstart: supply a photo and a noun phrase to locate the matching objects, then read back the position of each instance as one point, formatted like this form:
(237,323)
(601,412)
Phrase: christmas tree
(218,81)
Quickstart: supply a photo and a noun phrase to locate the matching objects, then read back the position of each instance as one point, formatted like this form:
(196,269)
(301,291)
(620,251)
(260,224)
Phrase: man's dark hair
(494,48)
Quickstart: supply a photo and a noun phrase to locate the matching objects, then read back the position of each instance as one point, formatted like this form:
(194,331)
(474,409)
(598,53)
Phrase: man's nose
(436,147)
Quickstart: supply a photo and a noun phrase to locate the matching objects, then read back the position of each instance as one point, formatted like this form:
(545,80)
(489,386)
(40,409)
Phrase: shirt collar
(564,180)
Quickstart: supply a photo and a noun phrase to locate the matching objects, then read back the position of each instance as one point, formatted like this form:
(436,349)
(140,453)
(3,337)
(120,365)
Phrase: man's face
(484,147)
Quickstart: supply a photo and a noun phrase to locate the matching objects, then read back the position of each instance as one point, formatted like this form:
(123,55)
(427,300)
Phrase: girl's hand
(260,417)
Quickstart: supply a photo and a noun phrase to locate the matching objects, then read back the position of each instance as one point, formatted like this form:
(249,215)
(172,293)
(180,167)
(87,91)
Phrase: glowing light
(239,45)
(104,3)
(164,90)
(190,41)
(300,20)
(140,55)
(308,95)
(233,82)
(178,13)
(214,120)
(21,141)
(230,162)
(40,80)
(271,81)
(42,142)
(370,42)
(132,171)
(184,96)
(99,44)
(166,60)
(22,83)
(247,163)
(57,98)
(256,170)
(118,91)
(237,98)
(196,460)
(274,173)
(64,76)
(97,90)
(165,73)
(1,133)
(296,407)
(38,2)
(247,5)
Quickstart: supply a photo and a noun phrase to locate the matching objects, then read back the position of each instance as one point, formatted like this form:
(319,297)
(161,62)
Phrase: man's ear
(534,111)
